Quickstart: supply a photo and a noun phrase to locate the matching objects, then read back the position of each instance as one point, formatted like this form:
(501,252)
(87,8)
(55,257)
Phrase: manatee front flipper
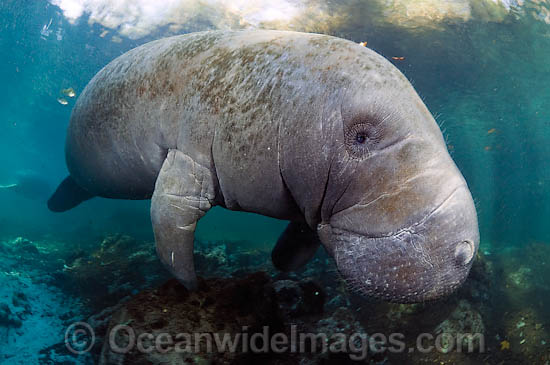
(183,194)
(295,247)
(67,196)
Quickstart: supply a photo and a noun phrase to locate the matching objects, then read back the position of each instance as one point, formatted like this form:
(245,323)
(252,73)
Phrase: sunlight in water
(138,18)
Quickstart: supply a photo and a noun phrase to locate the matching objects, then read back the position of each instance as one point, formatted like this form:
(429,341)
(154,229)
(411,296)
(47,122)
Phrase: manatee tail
(67,196)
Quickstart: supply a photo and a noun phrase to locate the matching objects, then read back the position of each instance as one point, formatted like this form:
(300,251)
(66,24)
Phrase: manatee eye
(360,139)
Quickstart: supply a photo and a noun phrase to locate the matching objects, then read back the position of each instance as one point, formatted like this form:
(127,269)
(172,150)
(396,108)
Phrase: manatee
(30,185)
(309,128)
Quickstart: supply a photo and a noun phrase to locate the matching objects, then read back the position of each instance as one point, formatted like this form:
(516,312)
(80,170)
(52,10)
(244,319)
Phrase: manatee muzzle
(422,262)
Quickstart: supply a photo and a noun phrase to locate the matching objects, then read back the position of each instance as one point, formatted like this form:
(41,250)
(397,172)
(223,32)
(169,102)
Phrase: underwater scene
(275,182)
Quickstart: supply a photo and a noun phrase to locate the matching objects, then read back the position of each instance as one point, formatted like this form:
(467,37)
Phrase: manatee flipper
(183,194)
(296,246)
(67,196)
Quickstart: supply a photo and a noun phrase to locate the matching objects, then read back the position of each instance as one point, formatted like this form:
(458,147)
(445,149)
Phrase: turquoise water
(35,69)
(484,74)
(475,76)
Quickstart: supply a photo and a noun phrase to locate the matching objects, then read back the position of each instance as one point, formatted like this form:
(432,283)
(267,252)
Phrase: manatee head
(386,198)
(403,224)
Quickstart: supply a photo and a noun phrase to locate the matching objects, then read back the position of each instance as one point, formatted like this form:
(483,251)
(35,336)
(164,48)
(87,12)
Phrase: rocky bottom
(53,295)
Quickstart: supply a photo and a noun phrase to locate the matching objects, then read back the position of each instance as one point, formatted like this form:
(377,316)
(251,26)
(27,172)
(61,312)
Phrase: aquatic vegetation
(232,306)
(525,333)
(280,299)
(522,278)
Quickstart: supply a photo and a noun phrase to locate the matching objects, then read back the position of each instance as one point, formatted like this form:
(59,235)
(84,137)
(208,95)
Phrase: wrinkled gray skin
(304,127)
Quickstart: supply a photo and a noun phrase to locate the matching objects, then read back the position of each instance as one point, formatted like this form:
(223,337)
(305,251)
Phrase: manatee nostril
(464,252)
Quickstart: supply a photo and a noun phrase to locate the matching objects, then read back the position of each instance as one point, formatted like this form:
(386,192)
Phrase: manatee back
(131,113)
(187,92)
(112,145)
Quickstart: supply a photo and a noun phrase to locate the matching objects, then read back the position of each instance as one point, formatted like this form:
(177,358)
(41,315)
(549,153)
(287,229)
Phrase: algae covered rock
(7,318)
(526,334)
(25,246)
(299,298)
(249,320)
(120,266)
(521,279)
(226,307)
(464,329)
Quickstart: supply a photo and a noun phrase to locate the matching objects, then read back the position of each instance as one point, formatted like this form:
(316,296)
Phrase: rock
(526,332)
(521,279)
(19,299)
(245,311)
(220,306)
(228,258)
(118,268)
(7,318)
(288,294)
(212,259)
(463,329)
(299,298)
(347,339)
(24,246)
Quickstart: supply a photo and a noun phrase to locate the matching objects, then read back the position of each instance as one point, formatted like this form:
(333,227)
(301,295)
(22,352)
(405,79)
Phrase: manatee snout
(424,261)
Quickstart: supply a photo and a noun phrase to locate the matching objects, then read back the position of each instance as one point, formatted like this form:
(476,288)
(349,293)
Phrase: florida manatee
(30,185)
(308,128)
